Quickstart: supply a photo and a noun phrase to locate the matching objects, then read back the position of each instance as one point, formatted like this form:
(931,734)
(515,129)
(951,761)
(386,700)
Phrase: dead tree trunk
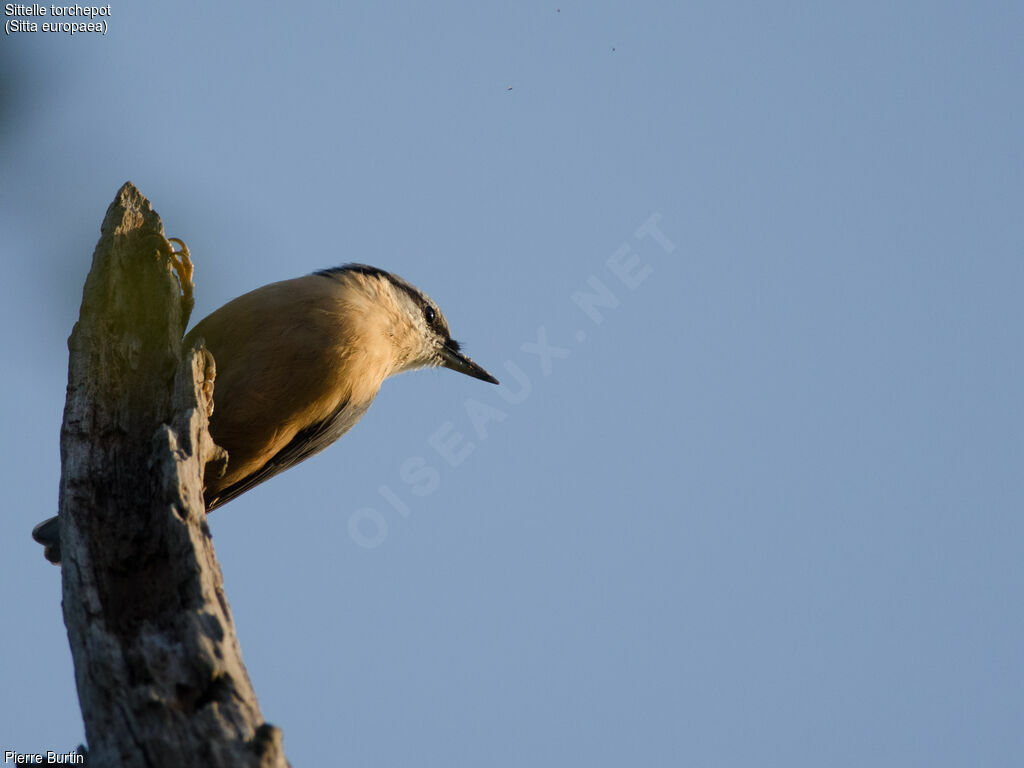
(157,663)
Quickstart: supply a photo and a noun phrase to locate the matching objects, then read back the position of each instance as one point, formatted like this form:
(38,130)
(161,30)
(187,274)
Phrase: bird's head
(409,320)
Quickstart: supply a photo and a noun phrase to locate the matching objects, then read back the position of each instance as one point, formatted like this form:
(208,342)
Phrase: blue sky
(765,512)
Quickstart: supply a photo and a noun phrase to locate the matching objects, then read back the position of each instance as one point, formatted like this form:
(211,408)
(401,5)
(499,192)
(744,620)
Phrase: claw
(181,262)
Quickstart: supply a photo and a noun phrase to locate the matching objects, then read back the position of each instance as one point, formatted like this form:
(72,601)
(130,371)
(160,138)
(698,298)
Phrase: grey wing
(306,443)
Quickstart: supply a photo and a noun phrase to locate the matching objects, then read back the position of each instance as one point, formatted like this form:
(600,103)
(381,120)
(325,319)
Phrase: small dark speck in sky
(509,88)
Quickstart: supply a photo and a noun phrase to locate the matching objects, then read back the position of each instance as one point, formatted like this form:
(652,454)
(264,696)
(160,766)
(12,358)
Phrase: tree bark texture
(157,663)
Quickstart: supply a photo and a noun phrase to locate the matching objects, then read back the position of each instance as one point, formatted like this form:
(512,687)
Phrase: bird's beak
(457,361)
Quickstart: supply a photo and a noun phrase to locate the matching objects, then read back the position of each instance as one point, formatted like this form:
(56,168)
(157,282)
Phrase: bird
(298,363)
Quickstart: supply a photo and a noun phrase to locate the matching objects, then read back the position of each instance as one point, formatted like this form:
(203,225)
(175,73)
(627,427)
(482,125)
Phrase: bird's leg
(181,262)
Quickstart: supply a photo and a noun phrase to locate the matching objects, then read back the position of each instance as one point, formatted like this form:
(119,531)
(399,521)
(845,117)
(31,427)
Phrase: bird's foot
(181,262)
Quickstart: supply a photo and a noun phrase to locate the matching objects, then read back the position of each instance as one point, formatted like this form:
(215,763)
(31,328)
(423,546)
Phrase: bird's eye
(429,315)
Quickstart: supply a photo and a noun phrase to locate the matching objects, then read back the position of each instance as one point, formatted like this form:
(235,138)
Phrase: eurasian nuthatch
(298,363)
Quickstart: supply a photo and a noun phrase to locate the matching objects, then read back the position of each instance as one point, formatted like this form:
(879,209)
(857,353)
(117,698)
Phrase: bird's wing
(306,442)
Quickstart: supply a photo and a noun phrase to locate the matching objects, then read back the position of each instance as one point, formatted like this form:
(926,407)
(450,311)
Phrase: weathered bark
(157,663)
